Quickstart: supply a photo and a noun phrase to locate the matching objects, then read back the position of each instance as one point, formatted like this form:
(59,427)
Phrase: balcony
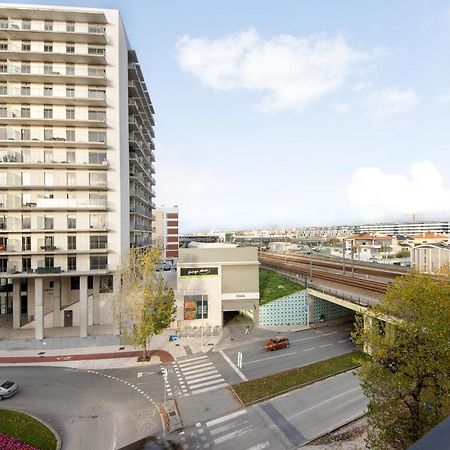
(46,270)
(92,76)
(94,34)
(54,204)
(58,97)
(16,161)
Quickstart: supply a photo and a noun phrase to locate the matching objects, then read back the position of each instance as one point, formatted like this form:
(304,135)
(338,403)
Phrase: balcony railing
(55,48)
(56,93)
(13,69)
(54,27)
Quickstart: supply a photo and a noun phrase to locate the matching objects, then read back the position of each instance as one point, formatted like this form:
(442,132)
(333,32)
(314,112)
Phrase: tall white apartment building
(76,172)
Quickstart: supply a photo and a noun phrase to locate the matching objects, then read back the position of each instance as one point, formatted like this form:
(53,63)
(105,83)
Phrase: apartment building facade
(166,234)
(407,228)
(76,166)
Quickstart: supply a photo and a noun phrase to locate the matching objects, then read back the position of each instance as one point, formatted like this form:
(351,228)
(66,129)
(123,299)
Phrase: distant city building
(325,232)
(373,247)
(429,238)
(430,258)
(165,231)
(185,239)
(408,229)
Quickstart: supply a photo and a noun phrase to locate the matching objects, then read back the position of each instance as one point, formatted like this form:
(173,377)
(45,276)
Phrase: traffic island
(23,432)
(264,388)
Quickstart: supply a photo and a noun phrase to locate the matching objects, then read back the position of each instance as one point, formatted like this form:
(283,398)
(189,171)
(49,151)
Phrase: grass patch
(253,391)
(23,427)
(273,285)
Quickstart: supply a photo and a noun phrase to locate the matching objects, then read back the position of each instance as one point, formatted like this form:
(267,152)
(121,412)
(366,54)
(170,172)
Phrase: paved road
(89,410)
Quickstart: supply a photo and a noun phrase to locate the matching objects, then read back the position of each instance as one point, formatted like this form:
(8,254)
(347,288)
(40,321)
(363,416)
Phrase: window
(3,67)
(48,134)
(70,157)
(26,24)
(96,51)
(26,264)
(25,89)
(48,156)
(98,262)
(71,179)
(70,113)
(90,282)
(97,114)
(71,242)
(25,178)
(26,46)
(70,134)
(106,284)
(48,222)
(48,178)
(26,222)
(25,67)
(70,69)
(97,221)
(97,136)
(26,243)
(3,89)
(25,134)
(70,91)
(70,47)
(26,155)
(48,113)
(71,221)
(3,45)
(48,68)
(71,263)
(96,93)
(48,25)
(97,179)
(3,178)
(48,47)
(48,90)
(3,111)
(25,112)
(95,72)
(97,242)
(3,264)
(49,261)
(26,199)
(93,28)
(195,307)
(70,27)
(97,157)
(75,283)
(3,222)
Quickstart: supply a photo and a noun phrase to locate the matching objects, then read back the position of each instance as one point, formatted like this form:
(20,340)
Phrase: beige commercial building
(213,280)
(76,167)
(430,258)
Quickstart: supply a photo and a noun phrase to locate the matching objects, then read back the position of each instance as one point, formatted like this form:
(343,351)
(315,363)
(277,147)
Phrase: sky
(296,113)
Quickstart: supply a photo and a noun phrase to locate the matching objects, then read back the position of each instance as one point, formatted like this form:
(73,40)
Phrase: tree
(407,378)
(147,304)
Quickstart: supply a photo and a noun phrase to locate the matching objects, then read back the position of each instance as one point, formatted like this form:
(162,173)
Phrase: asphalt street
(89,409)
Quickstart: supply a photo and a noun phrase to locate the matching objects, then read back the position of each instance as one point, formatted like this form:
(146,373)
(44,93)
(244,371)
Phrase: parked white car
(7,389)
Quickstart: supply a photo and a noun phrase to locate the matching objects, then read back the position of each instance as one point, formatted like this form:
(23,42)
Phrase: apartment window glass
(48,68)
(3,66)
(97,136)
(71,221)
(71,242)
(49,222)
(106,284)
(70,27)
(71,263)
(26,243)
(71,179)
(97,157)
(2,222)
(3,111)
(3,264)
(96,50)
(48,134)
(25,89)
(25,178)
(70,134)
(49,261)
(70,47)
(70,69)
(26,264)
(75,283)
(97,221)
(94,28)
(48,113)
(48,90)
(48,178)
(25,67)
(97,242)
(48,47)
(26,222)
(26,199)
(48,25)
(70,157)
(26,24)
(25,112)
(3,89)
(3,178)
(48,156)
(4,45)
(26,46)
(26,155)
(70,91)
(98,262)
(97,179)
(70,113)
(25,134)
(97,114)
(96,93)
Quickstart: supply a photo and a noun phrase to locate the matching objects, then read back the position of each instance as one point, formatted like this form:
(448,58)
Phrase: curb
(46,424)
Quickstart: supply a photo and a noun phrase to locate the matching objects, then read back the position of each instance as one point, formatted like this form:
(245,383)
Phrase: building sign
(195,307)
(199,271)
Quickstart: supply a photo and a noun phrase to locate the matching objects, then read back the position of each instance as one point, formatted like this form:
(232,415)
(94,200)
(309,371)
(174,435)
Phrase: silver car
(7,389)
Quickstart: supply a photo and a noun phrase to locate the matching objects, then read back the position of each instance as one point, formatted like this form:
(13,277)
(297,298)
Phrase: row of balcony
(17,116)
(15,203)
(44,246)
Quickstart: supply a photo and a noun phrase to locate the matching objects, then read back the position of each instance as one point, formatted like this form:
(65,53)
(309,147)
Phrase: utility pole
(343,256)
(353,262)
(310,263)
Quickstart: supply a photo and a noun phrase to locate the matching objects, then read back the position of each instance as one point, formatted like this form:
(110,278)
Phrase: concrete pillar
(16,303)
(38,308)
(56,302)
(96,300)
(83,306)
(117,307)
(255,312)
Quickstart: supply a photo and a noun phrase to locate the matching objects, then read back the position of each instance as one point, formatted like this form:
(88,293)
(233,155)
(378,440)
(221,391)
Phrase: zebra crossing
(198,375)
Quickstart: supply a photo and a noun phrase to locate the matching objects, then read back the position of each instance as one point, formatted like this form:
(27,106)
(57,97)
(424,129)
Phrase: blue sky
(296,113)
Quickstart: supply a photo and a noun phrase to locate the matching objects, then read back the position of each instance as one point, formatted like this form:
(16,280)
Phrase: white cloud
(375,195)
(387,102)
(341,108)
(290,71)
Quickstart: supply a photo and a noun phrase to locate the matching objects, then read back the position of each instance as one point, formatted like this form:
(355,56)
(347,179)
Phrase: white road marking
(304,339)
(198,366)
(308,349)
(211,388)
(233,366)
(324,402)
(270,357)
(191,359)
(193,377)
(209,377)
(328,334)
(231,435)
(342,340)
(206,383)
(204,369)
(325,345)
(222,419)
(260,446)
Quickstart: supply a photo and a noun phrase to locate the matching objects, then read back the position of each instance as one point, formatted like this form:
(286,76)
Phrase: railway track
(324,274)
